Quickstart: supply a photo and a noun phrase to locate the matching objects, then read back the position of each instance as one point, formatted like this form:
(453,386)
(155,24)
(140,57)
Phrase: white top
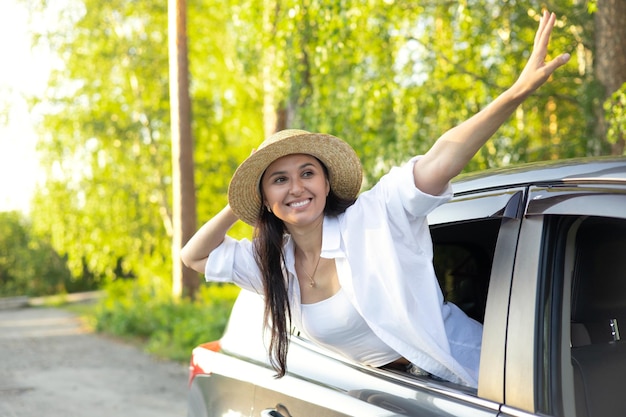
(335,324)
(383,254)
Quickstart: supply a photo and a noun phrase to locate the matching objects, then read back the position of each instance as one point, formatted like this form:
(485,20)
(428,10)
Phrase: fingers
(542,24)
(546,24)
(557,62)
(548,68)
(537,69)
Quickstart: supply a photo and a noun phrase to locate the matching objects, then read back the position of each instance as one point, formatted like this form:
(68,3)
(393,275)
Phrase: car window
(582,302)
(598,309)
(463,255)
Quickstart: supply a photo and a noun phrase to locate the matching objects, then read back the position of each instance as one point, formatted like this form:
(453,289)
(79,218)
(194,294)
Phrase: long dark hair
(269,235)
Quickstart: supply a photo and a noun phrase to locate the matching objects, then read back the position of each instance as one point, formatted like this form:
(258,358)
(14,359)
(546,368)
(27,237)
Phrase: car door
(568,295)
(474,239)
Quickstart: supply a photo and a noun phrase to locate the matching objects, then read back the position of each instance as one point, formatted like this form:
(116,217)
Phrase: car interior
(463,255)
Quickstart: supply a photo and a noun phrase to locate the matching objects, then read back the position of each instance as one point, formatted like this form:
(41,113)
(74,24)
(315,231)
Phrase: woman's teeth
(299,203)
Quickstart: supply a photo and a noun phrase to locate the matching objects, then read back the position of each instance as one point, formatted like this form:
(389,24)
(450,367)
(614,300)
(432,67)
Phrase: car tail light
(195,368)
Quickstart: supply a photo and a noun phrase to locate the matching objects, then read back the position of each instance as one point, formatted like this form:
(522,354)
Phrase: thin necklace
(312,283)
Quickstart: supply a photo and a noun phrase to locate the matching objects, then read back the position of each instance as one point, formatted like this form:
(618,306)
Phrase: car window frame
(507,205)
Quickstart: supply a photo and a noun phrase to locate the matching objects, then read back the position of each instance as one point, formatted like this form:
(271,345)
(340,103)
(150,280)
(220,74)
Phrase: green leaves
(28,264)
(106,142)
(615,108)
(389,77)
(169,328)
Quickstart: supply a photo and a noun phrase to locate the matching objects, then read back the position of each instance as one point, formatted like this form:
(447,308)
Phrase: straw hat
(344,168)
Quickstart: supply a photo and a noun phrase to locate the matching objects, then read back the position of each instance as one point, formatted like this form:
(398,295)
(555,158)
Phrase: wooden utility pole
(185,281)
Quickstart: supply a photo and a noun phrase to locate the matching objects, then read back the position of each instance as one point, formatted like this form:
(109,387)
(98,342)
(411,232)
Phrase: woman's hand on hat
(537,70)
(196,251)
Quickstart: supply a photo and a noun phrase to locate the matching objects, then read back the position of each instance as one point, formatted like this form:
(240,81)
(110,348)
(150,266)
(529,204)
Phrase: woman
(355,273)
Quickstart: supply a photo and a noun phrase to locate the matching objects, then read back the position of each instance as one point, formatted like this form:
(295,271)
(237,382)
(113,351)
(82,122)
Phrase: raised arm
(455,148)
(197,250)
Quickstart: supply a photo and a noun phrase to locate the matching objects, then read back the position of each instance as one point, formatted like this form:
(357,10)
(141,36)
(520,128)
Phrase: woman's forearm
(455,148)
(197,250)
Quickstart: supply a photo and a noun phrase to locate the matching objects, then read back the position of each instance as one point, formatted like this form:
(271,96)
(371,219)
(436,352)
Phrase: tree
(105,142)
(389,77)
(105,134)
(29,265)
(610,68)
(184,193)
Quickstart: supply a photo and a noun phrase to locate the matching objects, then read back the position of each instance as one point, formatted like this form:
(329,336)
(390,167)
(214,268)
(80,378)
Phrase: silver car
(537,253)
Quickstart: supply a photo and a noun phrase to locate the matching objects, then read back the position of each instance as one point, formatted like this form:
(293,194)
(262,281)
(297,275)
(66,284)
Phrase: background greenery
(167,327)
(387,76)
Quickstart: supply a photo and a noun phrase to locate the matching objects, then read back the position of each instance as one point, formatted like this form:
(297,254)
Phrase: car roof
(579,170)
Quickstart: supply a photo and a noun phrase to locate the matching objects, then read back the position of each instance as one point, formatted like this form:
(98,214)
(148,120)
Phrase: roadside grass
(164,327)
(85,311)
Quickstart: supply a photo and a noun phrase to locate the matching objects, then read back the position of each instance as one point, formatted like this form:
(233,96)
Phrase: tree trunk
(275,115)
(610,53)
(185,281)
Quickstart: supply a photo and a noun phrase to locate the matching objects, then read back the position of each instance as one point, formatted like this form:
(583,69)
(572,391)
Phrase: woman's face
(295,189)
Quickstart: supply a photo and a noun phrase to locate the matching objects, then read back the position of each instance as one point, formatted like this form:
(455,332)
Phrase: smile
(298,204)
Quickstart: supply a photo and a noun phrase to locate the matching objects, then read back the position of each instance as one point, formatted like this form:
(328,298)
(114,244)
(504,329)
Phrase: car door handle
(273,412)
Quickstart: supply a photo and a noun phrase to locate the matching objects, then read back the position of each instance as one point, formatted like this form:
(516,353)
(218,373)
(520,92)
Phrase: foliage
(105,137)
(615,111)
(226,103)
(388,76)
(104,141)
(29,265)
(169,328)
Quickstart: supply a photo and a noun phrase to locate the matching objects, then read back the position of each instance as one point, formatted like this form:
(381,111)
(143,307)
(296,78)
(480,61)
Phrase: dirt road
(51,366)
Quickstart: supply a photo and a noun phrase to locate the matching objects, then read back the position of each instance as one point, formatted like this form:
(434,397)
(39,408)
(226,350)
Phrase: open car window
(463,255)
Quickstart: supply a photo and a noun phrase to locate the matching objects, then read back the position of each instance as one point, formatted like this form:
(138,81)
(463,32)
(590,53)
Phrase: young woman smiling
(354,272)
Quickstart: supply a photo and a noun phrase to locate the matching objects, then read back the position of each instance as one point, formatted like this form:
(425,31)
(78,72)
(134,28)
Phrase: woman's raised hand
(537,70)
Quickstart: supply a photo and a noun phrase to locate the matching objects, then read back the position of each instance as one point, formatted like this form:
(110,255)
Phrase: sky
(23,71)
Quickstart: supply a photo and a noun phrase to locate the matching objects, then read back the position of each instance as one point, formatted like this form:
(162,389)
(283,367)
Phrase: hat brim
(344,169)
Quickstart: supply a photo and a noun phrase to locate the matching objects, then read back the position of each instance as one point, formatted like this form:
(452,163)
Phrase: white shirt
(335,324)
(383,254)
